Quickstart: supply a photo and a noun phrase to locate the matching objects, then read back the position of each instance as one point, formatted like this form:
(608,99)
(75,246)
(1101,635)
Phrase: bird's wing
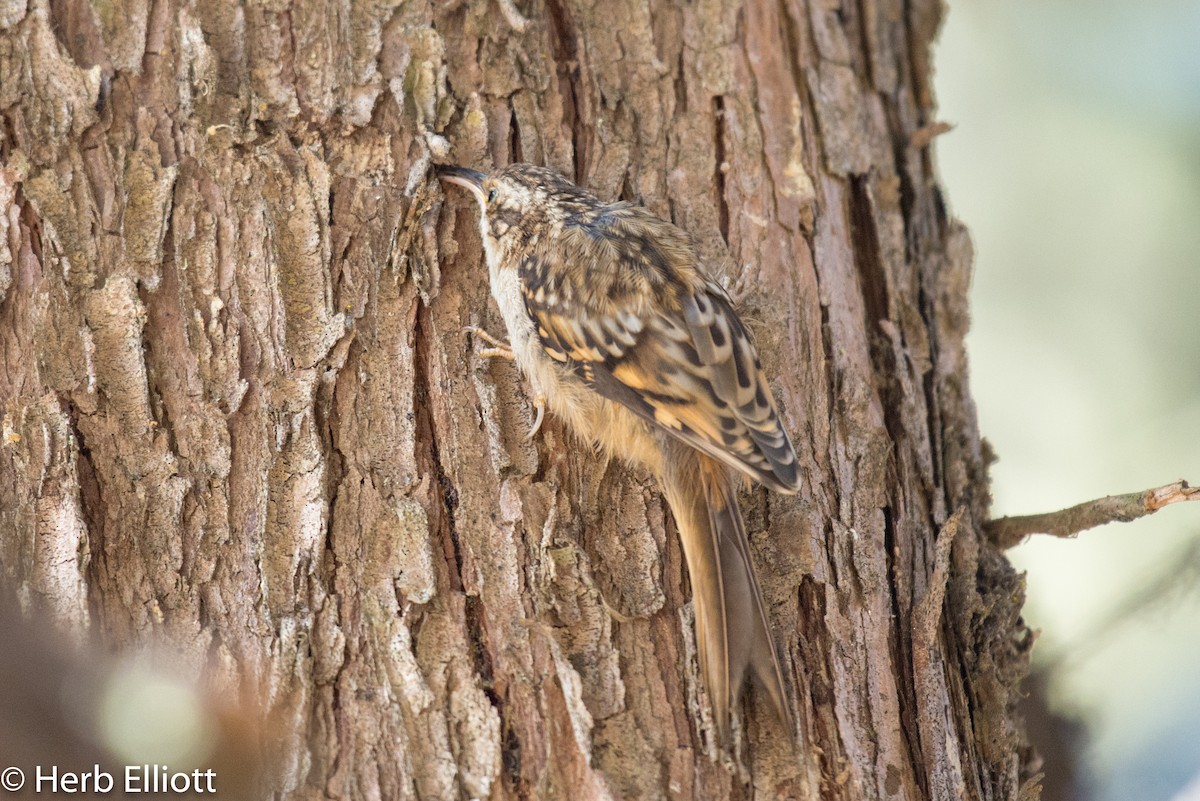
(677,355)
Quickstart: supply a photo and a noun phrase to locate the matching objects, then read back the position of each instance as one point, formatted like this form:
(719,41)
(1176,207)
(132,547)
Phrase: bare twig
(1008,531)
(924,135)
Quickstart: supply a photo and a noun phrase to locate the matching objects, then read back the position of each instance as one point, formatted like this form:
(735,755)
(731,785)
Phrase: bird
(619,330)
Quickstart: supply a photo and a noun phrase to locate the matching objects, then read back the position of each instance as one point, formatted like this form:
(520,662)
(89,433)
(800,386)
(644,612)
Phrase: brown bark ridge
(240,419)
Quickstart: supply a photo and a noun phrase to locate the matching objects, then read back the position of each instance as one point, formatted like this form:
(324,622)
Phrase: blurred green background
(1075,162)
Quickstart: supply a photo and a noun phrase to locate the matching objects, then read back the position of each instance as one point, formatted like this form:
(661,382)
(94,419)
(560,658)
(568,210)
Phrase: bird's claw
(539,403)
(740,287)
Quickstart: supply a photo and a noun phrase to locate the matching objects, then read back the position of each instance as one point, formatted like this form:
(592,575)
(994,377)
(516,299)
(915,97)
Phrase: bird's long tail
(732,633)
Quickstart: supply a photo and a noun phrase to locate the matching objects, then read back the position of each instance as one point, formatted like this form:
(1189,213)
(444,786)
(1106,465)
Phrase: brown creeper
(613,322)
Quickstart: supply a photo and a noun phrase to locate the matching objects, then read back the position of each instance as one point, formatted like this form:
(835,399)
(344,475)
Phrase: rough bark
(240,419)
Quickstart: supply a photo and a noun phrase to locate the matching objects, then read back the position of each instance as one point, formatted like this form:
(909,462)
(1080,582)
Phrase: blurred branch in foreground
(1178,576)
(75,713)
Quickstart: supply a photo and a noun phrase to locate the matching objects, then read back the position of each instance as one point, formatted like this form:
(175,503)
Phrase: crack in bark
(441,514)
(933,417)
(861,32)
(864,238)
(827,350)
(902,653)
(818,684)
(721,167)
(92,507)
(680,86)
(514,135)
(566,57)
(8,140)
(481,660)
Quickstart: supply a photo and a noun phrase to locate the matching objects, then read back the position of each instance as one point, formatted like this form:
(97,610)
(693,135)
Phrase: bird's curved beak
(464,177)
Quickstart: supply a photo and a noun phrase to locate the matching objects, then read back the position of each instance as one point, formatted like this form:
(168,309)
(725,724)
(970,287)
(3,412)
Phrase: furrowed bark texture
(240,418)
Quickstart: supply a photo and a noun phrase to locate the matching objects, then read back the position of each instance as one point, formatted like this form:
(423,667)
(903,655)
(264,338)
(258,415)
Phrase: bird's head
(518,203)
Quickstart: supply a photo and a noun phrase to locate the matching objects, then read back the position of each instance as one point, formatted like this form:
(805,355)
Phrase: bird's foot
(499,348)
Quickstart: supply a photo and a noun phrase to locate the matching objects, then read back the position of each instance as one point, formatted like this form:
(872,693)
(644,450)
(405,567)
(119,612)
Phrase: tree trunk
(240,417)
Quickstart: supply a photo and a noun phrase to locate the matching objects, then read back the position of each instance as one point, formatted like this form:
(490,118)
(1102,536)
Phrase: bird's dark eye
(491,195)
